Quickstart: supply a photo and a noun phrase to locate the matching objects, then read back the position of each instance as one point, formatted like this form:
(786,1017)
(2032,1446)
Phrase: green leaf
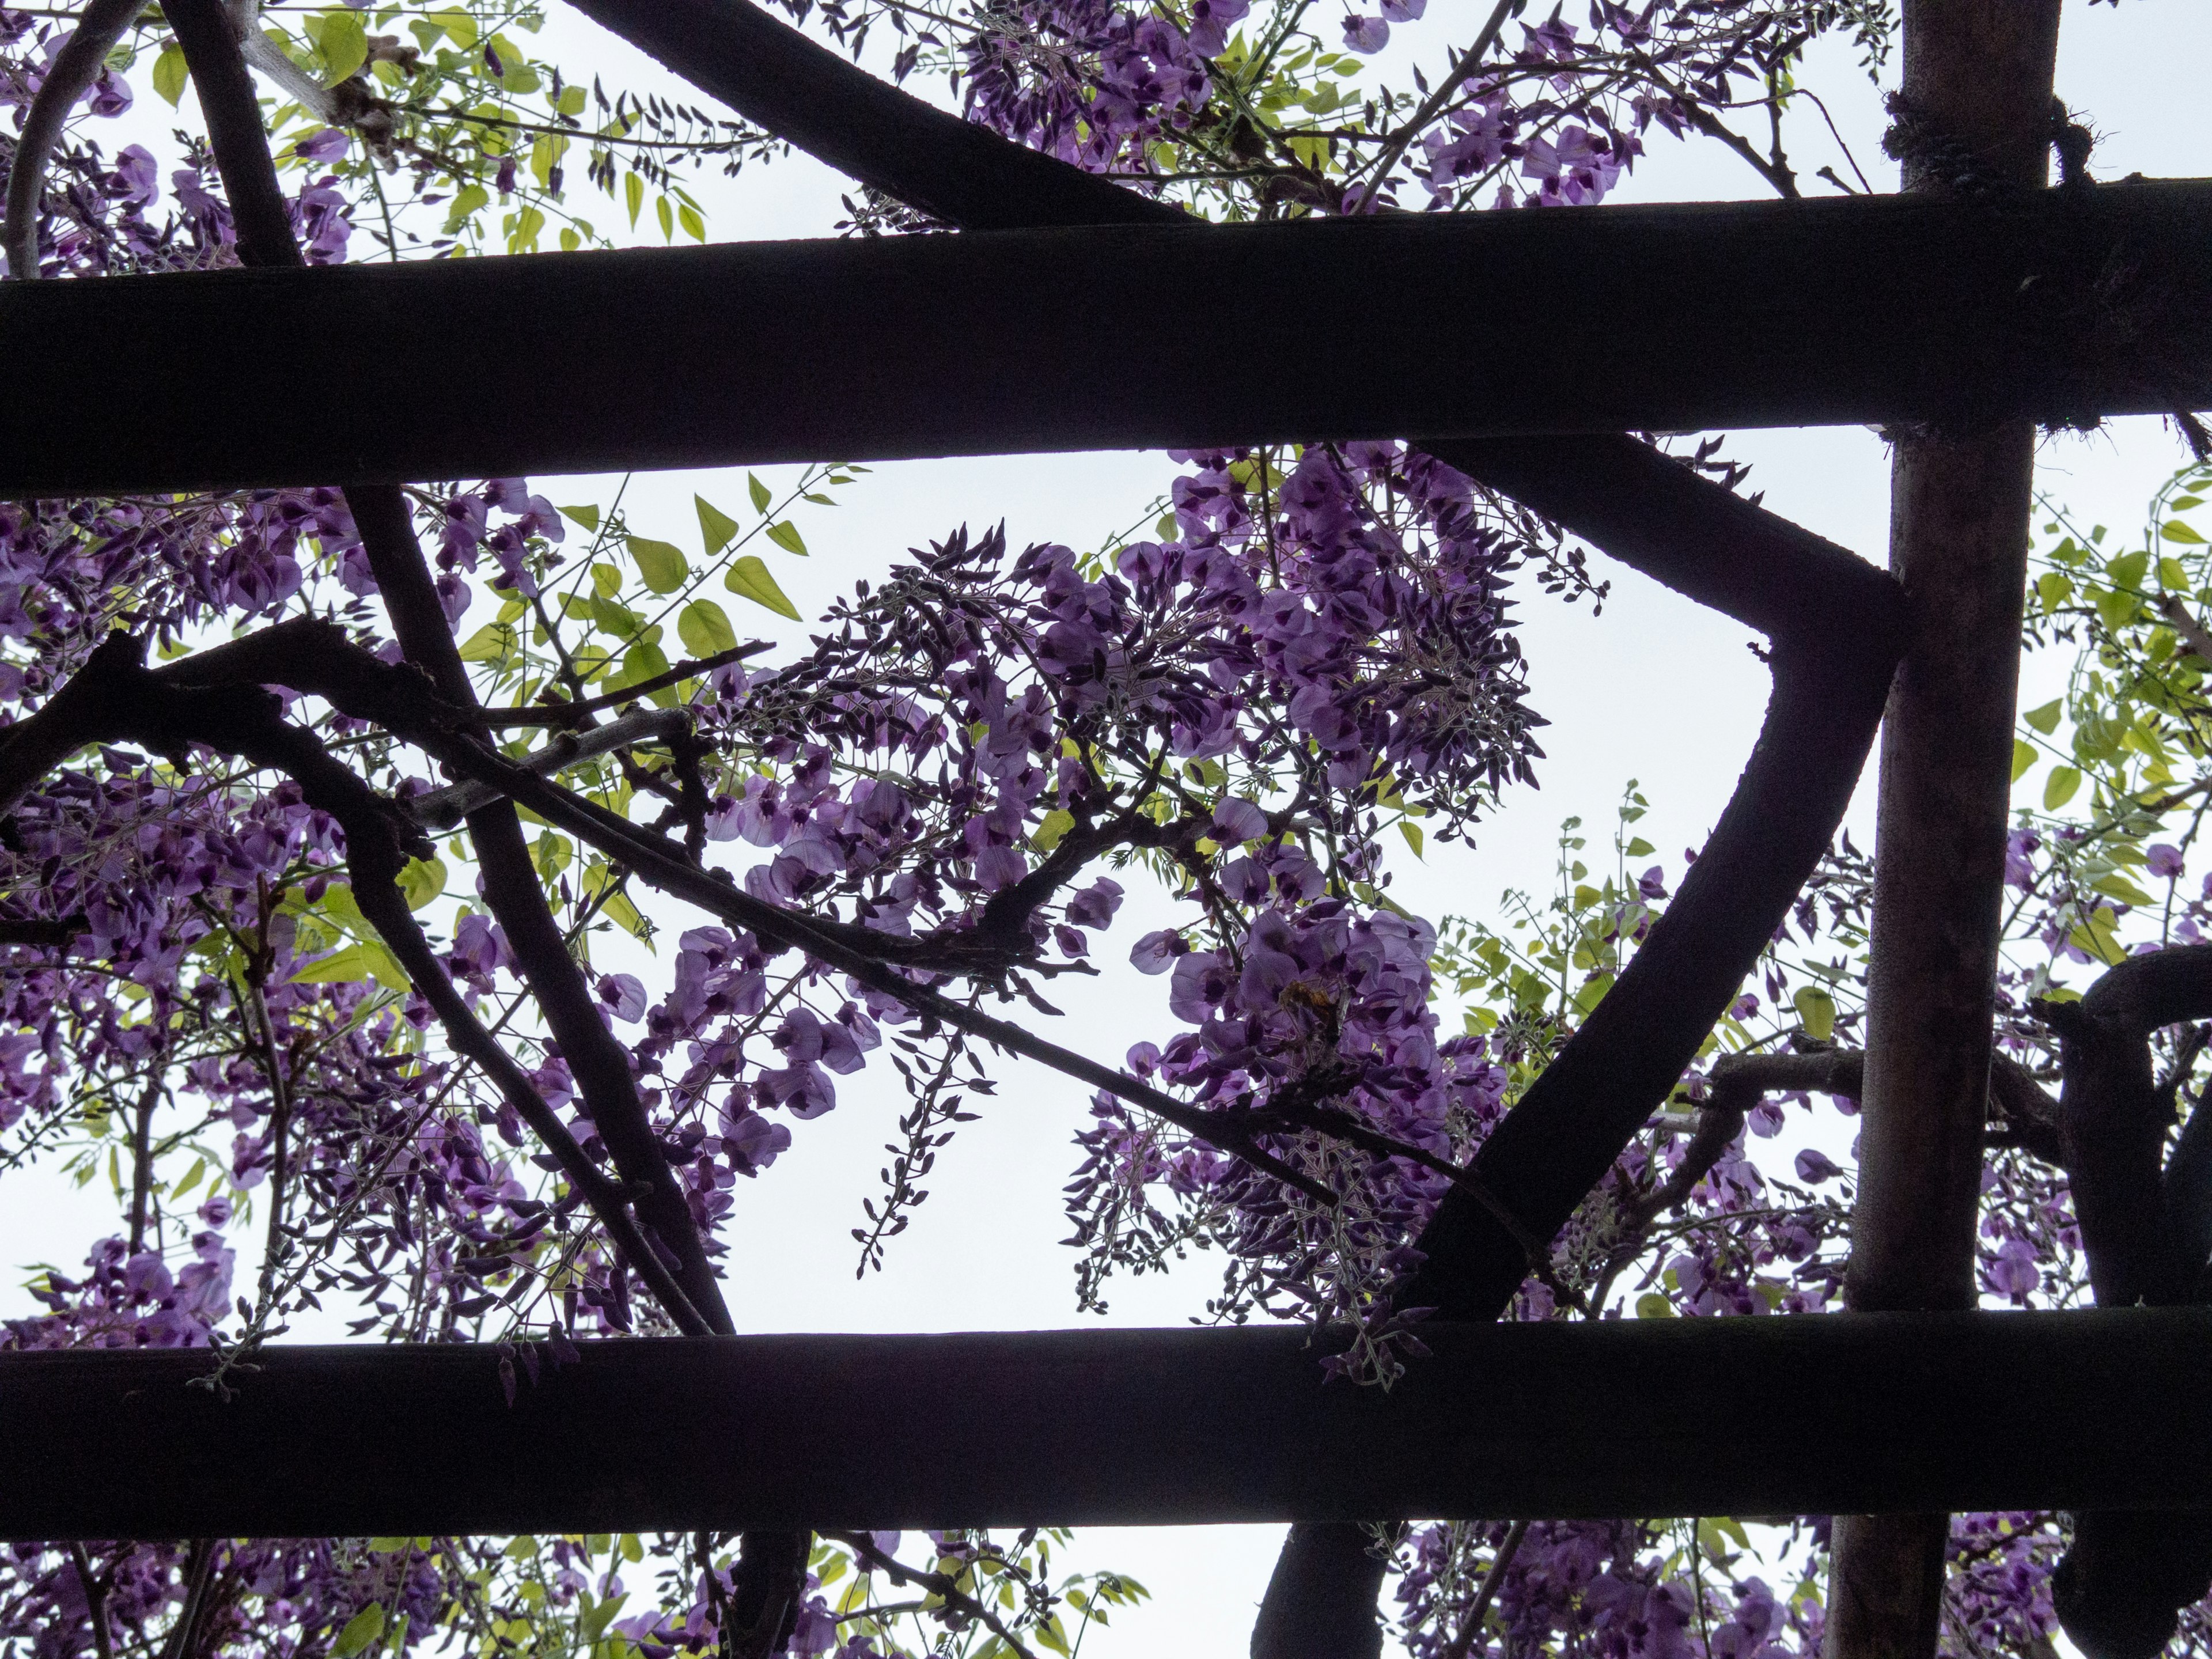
(1652,1305)
(2054,588)
(633,196)
(1411,832)
(2058,788)
(2173,530)
(1638,849)
(363,1628)
(344,42)
(340,967)
(661,564)
(2119,887)
(693,222)
(587,516)
(1816,1011)
(471,201)
(758,491)
(715,525)
(704,628)
(421,880)
(459,25)
(785,534)
(1053,825)
(2045,719)
(2023,757)
(169,74)
(749,576)
(492,642)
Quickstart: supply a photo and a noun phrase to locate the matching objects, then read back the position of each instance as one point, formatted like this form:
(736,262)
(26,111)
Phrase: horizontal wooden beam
(2063,306)
(1804,1415)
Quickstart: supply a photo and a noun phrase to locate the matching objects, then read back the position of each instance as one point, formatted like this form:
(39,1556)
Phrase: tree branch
(114,698)
(74,67)
(597,1059)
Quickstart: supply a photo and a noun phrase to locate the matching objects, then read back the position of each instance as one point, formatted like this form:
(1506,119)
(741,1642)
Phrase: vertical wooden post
(1975,116)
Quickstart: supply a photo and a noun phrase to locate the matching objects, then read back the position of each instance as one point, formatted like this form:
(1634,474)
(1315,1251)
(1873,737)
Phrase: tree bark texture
(1974,117)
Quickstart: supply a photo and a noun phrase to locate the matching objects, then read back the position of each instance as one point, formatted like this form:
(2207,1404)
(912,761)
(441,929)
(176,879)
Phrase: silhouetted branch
(74,68)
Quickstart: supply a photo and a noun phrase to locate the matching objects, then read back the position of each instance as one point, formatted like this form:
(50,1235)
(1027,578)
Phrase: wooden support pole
(1974,117)
(1779,1416)
(1881,309)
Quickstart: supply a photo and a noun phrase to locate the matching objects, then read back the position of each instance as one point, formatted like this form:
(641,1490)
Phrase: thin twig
(1471,1631)
(1471,60)
(937,1583)
(95,1601)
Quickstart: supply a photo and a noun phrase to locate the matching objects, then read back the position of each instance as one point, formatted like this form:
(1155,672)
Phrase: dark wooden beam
(1805,1415)
(2062,305)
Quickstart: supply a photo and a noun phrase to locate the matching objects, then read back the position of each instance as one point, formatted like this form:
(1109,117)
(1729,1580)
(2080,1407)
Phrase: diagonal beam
(1116,1428)
(2059,307)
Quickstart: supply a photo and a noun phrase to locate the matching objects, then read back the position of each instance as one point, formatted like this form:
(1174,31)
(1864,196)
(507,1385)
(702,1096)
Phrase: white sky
(1655,690)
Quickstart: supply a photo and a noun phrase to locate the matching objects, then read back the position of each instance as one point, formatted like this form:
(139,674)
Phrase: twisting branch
(2125,1576)
(74,67)
(114,698)
(2114,1117)
(512,891)
(315,657)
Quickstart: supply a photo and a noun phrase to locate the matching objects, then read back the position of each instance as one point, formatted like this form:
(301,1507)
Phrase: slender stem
(1471,1631)
(184,1635)
(1471,60)
(142,1159)
(940,1585)
(95,1601)
(264,1033)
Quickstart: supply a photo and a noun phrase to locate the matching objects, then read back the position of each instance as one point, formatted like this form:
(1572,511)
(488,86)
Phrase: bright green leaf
(344,41)
(1053,825)
(758,491)
(693,221)
(2023,757)
(1652,1305)
(587,516)
(363,1628)
(1638,849)
(1816,1011)
(1411,832)
(2058,788)
(2119,887)
(421,880)
(2173,530)
(786,535)
(2045,719)
(704,628)
(492,642)
(633,196)
(458,24)
(339,968)
(169,73)
(715,526)
(661,564)
(749,576)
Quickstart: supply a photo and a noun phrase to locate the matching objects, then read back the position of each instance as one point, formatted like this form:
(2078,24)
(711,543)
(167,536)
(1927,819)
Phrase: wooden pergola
(2063,306)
